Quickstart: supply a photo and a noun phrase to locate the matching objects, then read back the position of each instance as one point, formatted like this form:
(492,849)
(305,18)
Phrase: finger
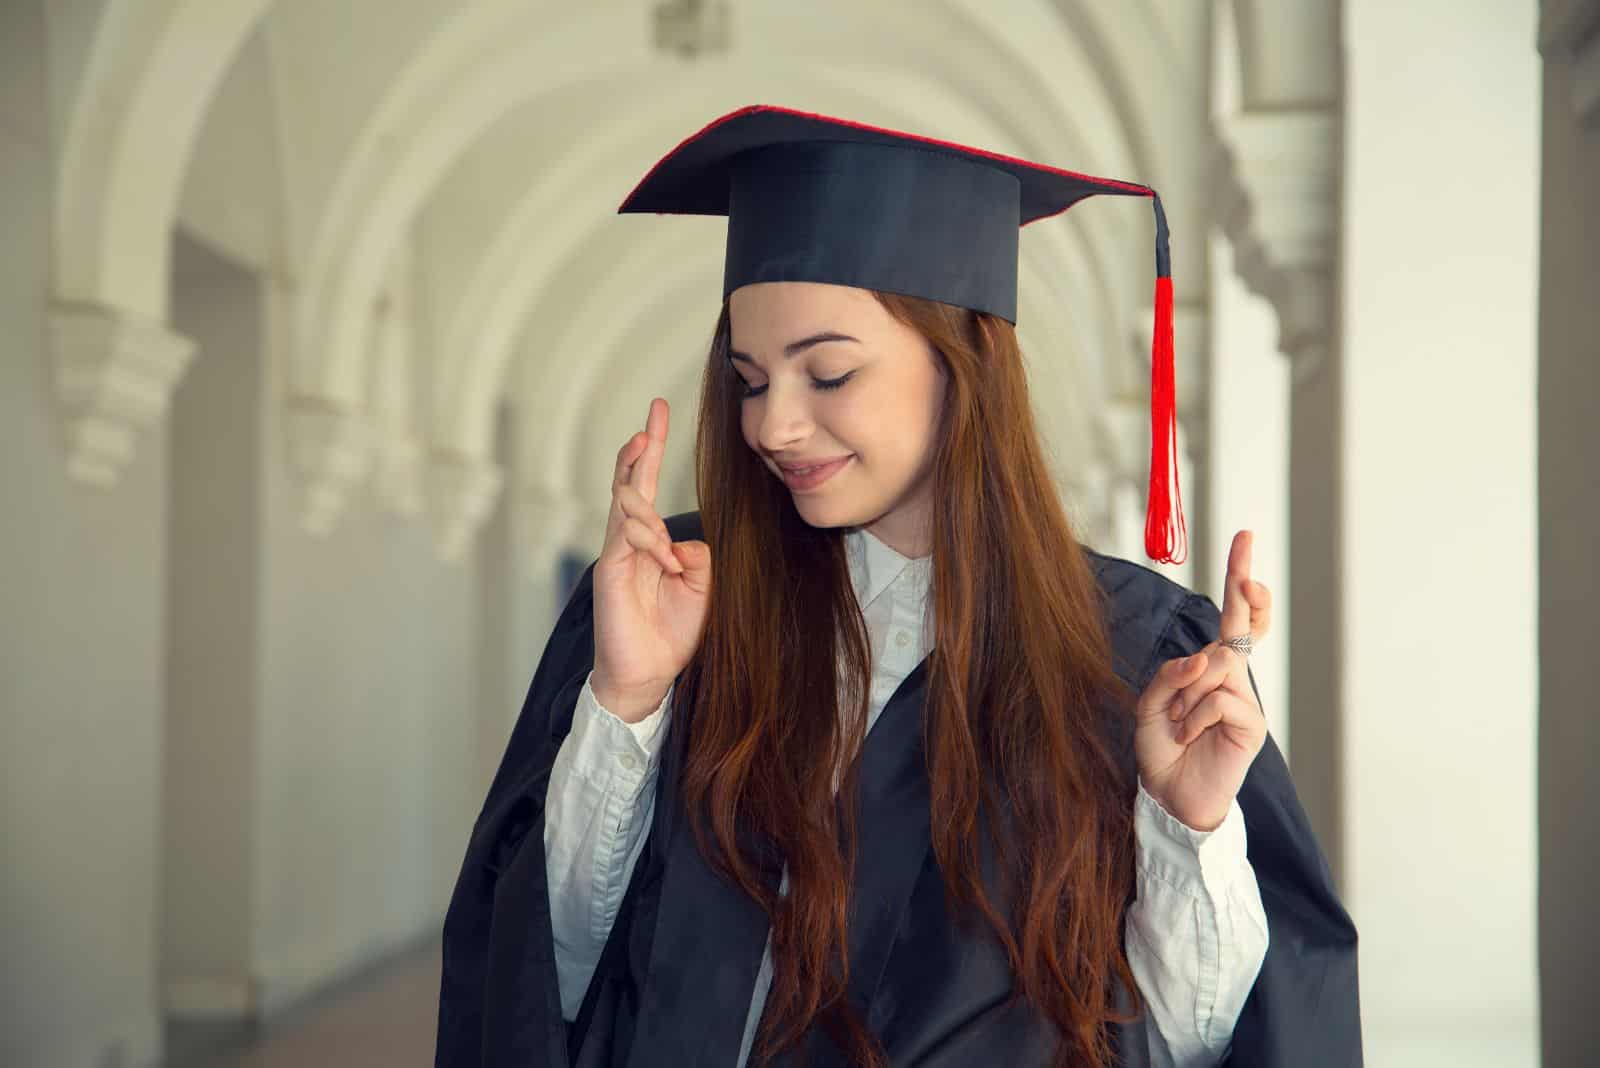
(1225,670)
(648,469)
(1172,677)
(695,556)
(1239,717)
(627,456)
(1207,713)
(1235,609)
(616,546)
(645,541)
(632,503)
(649,542)
(1260,600)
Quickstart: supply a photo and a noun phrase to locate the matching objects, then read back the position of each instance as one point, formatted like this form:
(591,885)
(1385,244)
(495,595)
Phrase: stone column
(397,442)
(1438,541)
(1569,527)
(1247,473)
(329,443)
(1278,188)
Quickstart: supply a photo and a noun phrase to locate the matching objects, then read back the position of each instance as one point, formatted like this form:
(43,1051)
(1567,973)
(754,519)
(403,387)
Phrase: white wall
(80,662)
(384,681)
(1440,274)
(212,648)
(1247,482)
(369,711)
(344,814)
(338,773)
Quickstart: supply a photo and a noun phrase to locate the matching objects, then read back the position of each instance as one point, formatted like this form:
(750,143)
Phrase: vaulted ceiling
(431,185)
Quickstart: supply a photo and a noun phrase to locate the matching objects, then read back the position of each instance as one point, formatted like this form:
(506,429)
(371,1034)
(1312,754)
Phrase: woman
(849,766)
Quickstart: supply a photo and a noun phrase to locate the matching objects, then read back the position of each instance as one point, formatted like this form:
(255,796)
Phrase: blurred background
(320,334)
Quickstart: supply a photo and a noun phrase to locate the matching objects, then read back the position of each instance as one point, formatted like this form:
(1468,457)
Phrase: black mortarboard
(812,198)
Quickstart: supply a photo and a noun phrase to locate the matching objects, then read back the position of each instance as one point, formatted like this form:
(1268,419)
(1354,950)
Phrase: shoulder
(1149,617)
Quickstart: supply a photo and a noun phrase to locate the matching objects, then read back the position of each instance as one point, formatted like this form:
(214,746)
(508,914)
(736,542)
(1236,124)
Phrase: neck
(915,542)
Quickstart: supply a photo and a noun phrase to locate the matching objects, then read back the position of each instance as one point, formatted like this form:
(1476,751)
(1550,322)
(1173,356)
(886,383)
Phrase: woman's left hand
(1199,725)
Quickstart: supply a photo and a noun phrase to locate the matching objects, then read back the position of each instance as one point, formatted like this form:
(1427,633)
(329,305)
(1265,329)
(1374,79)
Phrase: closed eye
(816,383)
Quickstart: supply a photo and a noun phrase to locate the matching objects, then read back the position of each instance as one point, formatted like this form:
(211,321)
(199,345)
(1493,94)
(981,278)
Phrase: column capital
(1122,433)
(1122,437)
(1569,30)
(398,478)
(461,491)
(1088,499)
(330,450)
(398,447)
(1286,164)
(114,376)
(554,518)
(1305,313)
(1284,219)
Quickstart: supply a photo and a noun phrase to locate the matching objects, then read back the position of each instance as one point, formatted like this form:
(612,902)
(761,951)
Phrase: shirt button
(627,760)
(902,639)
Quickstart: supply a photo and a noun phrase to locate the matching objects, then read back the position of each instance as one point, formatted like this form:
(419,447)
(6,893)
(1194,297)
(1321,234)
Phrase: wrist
(1199,823)
(629,704)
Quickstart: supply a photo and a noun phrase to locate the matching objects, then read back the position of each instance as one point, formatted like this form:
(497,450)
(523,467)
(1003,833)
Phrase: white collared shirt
(1196,933)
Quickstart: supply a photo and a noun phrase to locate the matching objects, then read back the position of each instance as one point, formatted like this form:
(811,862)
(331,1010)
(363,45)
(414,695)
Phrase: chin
(827,513)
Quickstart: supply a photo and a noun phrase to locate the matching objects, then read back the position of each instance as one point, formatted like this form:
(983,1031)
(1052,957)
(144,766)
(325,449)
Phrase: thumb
(695,556)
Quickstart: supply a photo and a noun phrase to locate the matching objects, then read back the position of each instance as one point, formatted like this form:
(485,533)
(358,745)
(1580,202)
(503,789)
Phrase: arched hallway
(321,334)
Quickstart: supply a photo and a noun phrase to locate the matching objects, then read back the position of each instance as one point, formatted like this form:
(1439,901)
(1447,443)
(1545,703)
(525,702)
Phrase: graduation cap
(812,198)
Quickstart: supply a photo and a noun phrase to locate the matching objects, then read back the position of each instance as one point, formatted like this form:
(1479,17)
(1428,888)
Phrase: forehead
(776,312)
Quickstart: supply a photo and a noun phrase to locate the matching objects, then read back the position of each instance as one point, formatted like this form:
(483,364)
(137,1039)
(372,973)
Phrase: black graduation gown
(673,985)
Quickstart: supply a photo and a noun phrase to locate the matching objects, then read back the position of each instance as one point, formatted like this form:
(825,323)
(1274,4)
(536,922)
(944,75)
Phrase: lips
(809,476)
(810,465)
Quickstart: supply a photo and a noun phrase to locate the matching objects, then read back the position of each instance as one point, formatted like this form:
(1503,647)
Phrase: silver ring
(1241,645)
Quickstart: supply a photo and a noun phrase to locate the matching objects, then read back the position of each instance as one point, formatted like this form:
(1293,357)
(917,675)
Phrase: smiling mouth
(812,475)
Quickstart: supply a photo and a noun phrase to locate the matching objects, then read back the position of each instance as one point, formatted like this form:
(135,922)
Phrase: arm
(1196,934)
(1304,1006)
(600,799)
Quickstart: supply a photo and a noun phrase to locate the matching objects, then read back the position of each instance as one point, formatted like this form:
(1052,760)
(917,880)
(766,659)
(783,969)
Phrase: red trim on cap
(1127,187)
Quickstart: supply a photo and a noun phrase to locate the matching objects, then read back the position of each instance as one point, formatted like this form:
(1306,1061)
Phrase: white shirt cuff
(1184,857)
(609,751)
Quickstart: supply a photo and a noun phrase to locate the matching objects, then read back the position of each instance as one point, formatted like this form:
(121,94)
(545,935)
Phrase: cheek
(909,425)
(915,408)
(748,427)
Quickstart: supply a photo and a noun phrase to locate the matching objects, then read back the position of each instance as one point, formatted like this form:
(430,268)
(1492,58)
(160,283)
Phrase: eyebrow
(798,346)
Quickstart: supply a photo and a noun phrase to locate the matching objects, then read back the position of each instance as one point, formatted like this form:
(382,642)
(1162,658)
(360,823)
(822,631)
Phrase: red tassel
(1158,524)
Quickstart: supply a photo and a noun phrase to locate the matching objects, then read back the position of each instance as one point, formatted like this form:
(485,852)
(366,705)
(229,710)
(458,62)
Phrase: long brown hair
(1017,686)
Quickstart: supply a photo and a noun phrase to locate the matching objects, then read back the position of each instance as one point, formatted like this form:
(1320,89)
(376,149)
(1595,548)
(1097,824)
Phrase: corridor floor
(389,1019)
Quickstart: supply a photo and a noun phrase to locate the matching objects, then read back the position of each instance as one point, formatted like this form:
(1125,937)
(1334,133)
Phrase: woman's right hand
(650,595)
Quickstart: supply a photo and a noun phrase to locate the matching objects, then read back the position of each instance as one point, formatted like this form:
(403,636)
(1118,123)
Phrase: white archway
(420,150)
(135,78)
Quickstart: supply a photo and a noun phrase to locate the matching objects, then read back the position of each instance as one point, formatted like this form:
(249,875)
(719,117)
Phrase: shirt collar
(874,567)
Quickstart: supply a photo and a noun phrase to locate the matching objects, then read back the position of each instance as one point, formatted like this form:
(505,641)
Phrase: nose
(785,418)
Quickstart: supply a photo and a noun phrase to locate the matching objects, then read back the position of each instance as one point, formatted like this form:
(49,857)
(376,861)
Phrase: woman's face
(832,378)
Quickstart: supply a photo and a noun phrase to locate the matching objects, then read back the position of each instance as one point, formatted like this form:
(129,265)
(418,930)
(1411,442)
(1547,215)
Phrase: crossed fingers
(633,491)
